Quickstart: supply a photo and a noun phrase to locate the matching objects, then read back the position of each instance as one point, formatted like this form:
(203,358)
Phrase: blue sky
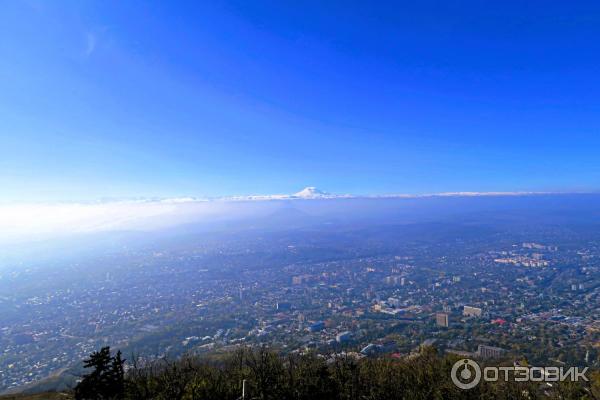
(127,99)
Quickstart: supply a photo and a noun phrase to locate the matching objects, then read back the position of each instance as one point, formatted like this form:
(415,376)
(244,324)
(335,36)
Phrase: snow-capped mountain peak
(311,192)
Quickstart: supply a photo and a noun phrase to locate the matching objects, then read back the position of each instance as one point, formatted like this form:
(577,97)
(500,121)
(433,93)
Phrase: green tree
(106,380)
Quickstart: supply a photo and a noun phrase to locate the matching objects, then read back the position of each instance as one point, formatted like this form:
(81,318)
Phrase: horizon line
(318,195)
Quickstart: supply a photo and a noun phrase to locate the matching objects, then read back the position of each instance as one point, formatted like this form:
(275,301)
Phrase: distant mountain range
(36,221)
(311,192)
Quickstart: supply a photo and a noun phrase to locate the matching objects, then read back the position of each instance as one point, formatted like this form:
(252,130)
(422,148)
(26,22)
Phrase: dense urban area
(470,291)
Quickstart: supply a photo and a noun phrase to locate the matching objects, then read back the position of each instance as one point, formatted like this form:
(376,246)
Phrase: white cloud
(90,44)
(43,220)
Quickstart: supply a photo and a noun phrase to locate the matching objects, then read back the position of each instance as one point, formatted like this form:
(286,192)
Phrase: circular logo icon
(465,373)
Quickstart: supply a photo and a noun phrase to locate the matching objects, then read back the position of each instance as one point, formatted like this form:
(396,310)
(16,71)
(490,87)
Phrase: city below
(523,288)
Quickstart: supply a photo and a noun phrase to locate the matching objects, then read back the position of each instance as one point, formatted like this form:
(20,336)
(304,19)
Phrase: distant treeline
(269,375)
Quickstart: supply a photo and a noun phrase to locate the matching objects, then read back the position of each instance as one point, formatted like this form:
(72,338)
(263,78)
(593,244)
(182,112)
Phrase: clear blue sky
(127,98)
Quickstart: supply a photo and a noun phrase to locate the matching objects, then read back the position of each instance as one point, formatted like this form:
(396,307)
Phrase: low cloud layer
(32,221)
(40,221)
